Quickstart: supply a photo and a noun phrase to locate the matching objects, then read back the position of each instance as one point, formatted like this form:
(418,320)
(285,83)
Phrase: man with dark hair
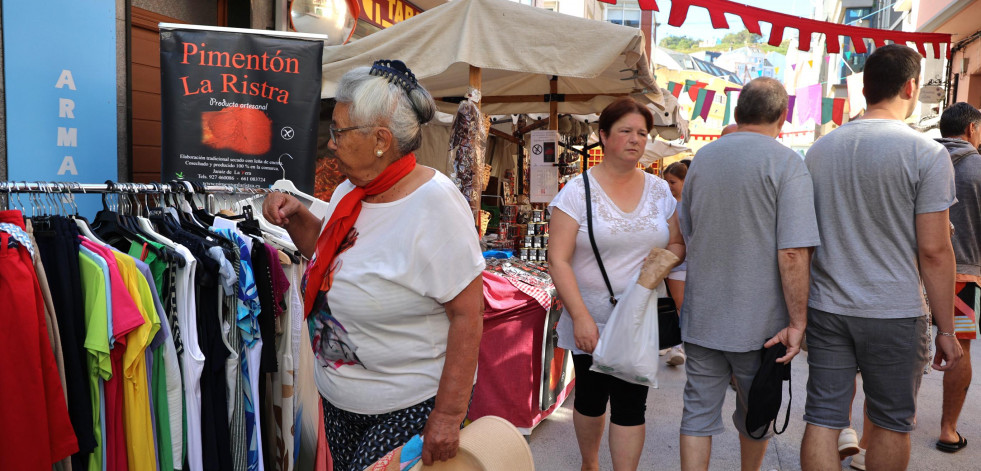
(882,193)
(960,126)
(747,206)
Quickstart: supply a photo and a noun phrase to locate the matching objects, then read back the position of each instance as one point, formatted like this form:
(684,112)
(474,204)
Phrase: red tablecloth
(509,375)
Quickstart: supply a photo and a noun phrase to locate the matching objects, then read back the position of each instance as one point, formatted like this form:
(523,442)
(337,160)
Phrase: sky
(698,25)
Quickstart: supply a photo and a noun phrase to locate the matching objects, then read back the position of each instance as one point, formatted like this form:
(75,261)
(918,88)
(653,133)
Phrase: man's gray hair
(375,101)
(761,101)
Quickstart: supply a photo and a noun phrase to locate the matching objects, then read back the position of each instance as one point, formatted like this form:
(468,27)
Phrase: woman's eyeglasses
(335,133)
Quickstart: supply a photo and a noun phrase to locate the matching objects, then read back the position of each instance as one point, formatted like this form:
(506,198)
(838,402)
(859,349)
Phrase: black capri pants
(628,401)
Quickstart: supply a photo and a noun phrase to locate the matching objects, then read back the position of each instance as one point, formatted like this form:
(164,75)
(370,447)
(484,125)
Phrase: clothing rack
(118,187)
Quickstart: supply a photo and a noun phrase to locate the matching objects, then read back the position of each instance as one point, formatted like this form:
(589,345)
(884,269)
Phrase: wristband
(946,334)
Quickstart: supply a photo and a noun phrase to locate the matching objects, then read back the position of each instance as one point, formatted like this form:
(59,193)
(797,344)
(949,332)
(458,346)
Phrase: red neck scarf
(342,220)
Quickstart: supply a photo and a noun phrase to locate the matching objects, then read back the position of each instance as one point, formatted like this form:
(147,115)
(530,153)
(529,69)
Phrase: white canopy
(518,49)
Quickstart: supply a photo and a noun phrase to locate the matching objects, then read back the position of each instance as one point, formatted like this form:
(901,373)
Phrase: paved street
(553,442)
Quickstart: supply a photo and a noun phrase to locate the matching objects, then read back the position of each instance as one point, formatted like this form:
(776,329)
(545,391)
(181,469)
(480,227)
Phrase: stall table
(521,375)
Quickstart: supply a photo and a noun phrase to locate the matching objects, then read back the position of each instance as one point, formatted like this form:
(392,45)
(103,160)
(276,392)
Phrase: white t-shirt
(623,240)
(410,257)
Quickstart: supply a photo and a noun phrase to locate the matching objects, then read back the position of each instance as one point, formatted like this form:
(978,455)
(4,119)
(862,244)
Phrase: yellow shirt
(137,420)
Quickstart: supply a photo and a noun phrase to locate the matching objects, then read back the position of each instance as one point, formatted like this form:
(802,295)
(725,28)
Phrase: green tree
(741,38)
(678,43)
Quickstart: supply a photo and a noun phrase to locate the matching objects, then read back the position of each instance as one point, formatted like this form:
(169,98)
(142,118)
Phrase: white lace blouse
(623,240)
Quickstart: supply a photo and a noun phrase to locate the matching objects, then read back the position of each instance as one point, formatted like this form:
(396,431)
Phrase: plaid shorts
(966,306)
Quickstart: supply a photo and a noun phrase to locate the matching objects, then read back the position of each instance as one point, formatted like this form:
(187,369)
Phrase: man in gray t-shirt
(747,215)
(881,191)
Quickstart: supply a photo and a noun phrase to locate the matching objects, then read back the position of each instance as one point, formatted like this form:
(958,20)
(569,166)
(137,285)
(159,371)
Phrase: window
(620,15)
(851,60)
(552,5)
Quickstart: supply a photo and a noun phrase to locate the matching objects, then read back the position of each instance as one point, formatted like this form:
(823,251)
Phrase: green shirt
(96,306)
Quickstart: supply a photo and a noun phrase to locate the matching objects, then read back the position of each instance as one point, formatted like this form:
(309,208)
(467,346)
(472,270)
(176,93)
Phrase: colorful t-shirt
(125,318)
(138,418)
(95,286)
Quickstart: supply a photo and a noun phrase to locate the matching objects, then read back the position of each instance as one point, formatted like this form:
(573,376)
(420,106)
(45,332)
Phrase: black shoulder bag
(669,327)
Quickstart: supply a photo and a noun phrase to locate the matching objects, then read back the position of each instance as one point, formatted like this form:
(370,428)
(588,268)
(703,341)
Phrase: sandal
(952,447)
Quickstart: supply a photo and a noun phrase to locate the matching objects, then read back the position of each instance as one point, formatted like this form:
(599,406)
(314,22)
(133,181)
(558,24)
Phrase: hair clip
(395,71)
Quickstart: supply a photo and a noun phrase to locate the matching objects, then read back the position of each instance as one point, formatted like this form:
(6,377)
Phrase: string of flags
(752,16)
(808,101)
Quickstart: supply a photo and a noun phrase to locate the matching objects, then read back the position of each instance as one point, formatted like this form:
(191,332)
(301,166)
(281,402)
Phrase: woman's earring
(379,152)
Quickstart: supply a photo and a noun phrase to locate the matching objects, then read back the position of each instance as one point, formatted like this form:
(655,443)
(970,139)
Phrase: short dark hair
(678,169)
(762,101)
(887,69)
(619,108)
(957,118)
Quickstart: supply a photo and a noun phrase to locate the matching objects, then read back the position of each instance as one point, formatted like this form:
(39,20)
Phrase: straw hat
(488,444)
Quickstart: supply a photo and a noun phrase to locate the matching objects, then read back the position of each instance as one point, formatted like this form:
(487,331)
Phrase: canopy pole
(553,105)
(475,80)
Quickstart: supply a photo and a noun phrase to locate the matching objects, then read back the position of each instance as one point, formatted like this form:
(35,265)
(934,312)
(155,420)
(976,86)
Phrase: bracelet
(946,334)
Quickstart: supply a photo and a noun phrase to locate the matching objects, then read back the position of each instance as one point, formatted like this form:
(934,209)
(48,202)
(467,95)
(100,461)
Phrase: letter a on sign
(66,79)
(68,166)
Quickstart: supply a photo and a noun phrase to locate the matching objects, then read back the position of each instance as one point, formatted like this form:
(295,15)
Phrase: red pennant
(693,90)
(676,90)
(647,5)
(838,111)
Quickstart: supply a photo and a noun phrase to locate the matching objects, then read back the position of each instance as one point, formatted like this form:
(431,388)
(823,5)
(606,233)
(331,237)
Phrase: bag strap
(592,240)
(786,419)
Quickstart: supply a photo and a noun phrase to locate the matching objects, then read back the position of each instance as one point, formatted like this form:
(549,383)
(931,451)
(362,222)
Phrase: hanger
(316,206)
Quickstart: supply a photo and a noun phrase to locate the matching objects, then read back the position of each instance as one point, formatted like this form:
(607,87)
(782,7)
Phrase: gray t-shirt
(871,178)
(745,197)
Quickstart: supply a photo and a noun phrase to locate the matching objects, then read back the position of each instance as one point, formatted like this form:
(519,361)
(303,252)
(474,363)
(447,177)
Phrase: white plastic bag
(627,348)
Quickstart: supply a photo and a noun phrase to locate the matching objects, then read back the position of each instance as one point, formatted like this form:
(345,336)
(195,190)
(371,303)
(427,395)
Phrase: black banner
(239,107)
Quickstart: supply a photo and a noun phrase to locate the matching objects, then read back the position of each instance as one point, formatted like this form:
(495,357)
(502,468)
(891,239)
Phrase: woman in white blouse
(632,212)
(393,293)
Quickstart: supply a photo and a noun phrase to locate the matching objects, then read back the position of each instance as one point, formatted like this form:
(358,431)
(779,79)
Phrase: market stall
(489,53)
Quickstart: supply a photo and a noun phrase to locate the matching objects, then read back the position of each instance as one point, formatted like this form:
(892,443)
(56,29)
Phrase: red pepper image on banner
(244,130)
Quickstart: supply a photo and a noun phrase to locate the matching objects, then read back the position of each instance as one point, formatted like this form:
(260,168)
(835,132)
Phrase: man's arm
(937,267)
(795,276)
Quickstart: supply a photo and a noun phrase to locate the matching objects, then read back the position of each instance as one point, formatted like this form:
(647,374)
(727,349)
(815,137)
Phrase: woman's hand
(289,213)
(279,207)
(440,437)
(586,333)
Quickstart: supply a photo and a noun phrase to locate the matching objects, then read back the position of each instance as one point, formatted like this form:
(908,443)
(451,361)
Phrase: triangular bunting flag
(699,101)
(675,88)
(827,105)
(707,104)
(790,107)
(838,111)
(810,63)
(689,84)
(732,97)
(848,55)
(793,66)
(856,97)
(777,70)
(809,103)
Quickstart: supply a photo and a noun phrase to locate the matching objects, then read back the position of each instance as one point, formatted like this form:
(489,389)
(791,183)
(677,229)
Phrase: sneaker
(847,443)
(676,356)
(858,461)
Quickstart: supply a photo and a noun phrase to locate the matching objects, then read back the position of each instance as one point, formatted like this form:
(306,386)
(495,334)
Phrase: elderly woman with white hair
(393,295)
